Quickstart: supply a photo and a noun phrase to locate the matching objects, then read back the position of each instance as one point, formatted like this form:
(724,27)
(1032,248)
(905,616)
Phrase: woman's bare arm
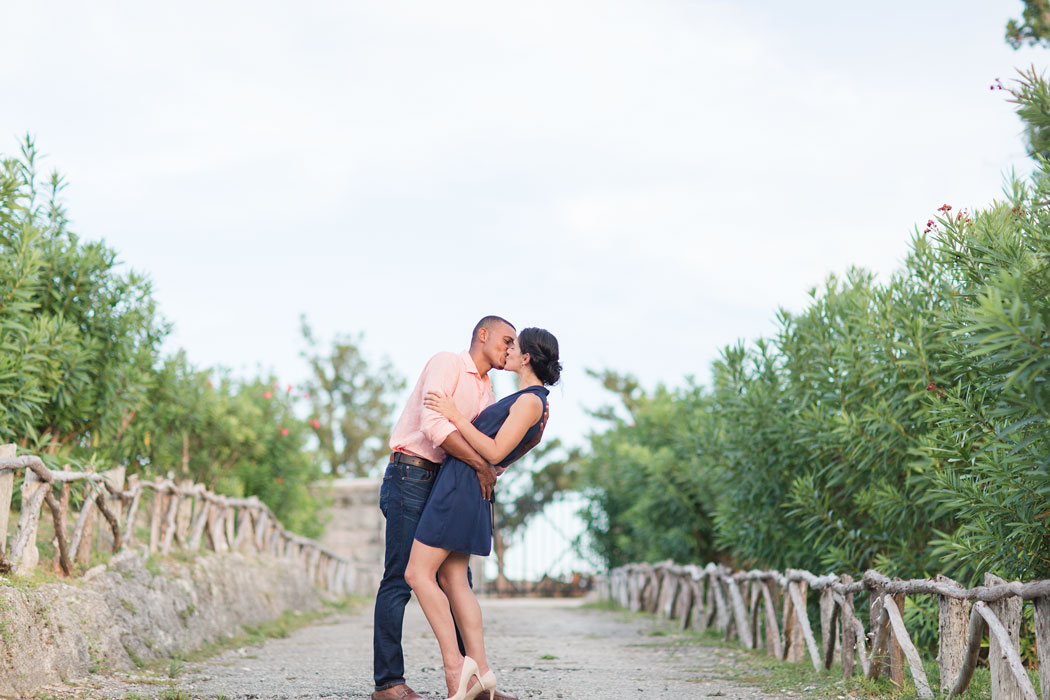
(524,413)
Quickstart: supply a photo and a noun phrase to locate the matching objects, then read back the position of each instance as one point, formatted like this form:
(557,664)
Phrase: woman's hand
(443,404)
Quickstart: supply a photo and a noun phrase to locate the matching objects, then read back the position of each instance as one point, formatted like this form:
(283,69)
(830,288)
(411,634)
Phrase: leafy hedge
(902,424)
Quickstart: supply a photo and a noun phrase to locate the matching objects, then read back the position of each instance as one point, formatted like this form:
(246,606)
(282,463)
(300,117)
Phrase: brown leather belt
(402,458)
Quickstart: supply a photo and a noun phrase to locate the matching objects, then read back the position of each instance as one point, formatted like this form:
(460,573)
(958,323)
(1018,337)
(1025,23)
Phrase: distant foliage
(902,425)
(1033,28)
(351,403)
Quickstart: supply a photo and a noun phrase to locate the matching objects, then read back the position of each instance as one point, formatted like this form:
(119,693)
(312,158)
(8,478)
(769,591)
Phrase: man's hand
(457,446)
(487,480)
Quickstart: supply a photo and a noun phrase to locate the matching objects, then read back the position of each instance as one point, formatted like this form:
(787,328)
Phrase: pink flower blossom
(267,395)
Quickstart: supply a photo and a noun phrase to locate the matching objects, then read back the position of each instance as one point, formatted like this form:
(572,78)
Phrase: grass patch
(34,580)
(175,666)
(606,605)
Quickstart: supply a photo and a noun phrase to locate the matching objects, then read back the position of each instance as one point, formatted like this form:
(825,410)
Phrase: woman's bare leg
(452,574)
(421,575)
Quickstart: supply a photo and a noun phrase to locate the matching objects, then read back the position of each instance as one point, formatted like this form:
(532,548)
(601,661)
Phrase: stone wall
(122,614)
(356,530)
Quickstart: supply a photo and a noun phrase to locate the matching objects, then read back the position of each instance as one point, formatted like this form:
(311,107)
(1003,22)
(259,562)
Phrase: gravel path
(541,648)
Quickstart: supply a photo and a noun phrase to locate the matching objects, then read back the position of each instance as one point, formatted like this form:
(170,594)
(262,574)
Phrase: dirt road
(541,648)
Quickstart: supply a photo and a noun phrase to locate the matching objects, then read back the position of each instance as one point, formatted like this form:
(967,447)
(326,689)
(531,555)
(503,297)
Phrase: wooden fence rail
(184,515)
(743,604)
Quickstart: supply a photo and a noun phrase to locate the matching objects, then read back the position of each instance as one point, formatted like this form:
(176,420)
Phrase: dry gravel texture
(541,648)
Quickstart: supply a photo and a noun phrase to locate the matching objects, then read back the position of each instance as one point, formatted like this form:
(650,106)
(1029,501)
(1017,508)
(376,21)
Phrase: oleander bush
(902,425)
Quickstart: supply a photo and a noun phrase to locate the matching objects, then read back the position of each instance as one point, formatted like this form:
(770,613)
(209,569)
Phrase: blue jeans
(402,497)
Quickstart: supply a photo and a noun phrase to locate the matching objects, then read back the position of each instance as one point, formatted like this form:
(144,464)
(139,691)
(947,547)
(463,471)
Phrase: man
(420,440)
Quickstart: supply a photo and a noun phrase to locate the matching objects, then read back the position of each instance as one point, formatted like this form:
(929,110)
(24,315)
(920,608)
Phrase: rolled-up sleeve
(440,375)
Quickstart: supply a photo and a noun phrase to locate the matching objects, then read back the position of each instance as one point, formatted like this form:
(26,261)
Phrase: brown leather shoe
(503,696)
(398,692)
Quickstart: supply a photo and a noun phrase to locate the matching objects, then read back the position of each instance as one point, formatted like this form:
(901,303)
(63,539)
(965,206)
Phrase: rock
(120,616)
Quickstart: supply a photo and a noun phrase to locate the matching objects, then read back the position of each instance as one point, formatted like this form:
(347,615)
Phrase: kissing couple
(450,444)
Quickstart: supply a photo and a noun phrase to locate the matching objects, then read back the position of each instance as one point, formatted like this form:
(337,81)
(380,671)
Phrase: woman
(457,520)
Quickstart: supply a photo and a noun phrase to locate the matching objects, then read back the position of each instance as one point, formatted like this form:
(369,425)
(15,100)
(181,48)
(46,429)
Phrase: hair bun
(542,348)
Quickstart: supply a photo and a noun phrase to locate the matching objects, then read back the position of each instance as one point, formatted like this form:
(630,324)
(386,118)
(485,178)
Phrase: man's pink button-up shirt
(420,431)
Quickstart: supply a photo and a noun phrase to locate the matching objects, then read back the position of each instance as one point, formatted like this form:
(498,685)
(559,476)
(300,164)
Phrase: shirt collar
(468,363)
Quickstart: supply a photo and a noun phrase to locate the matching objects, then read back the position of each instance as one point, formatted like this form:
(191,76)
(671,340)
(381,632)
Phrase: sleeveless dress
(455,516)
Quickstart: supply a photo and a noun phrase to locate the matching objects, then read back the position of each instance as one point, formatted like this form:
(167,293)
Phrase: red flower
(289,389)
(931,387)
(284,432)
(280,480)
(267,395)
(944,207)
(315,423)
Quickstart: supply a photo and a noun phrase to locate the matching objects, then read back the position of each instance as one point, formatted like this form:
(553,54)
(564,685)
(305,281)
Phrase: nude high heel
(488,682)
(470,669)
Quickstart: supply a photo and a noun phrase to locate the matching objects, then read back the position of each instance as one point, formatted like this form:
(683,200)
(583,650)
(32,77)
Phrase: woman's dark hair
(542,348)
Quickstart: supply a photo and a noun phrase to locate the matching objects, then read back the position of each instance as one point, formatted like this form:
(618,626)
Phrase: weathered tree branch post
(156,516)
(7,486)
(1008,610)
(895,651)
(774,641)
(794,642)
(24,552)
(953,623)
(1042,642)
(849,632)
(829,618)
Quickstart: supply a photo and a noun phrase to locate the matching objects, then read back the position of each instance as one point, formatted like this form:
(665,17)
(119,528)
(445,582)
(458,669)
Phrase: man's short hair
(488,322)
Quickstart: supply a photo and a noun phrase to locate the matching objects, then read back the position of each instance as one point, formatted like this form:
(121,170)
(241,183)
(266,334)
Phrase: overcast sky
(648,180)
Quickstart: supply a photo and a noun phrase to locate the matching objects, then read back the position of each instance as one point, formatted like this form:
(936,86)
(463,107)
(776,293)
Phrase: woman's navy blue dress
(456,517)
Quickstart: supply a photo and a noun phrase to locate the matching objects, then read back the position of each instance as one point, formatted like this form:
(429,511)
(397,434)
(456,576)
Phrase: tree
(1034,27)
(351,403)
(538,479)
(652,489)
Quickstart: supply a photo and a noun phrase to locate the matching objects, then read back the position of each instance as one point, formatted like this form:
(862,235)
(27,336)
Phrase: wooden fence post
(228,527)
(156,516)
(794,641)
(133,510)
(7,487)
(849,632)
(895,652)
(200,521)
(754,614)
(686,600)
(1008,610)
(743,629)
(115,477)
(774,642)
(953,625)
(829,618)
(85,527)
(1042,642)
(184,516)
(32,501)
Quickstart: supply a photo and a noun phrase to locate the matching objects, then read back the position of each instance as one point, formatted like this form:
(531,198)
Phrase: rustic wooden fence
(184,515)
(744,605)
